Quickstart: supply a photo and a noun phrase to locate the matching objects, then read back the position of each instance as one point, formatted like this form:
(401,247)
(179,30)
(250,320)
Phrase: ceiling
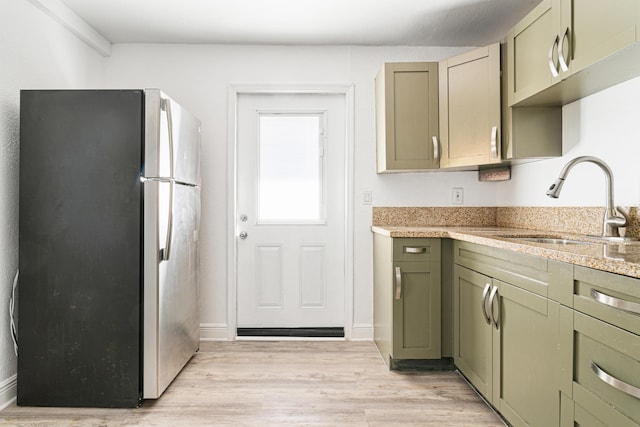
(303,22)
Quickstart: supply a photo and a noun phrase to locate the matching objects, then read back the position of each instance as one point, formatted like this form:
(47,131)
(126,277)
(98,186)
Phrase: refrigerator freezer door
(171,325)
(172,142)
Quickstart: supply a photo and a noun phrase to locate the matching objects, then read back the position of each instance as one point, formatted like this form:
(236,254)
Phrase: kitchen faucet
(614,217)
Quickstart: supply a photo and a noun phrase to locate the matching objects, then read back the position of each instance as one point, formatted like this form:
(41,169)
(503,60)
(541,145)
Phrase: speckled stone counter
(619,258)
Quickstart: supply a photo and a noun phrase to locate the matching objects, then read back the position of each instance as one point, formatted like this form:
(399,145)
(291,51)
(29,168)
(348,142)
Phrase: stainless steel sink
(548,240)
(551,240)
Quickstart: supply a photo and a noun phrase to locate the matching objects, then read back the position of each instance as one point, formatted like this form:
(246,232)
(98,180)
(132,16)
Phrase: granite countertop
(619,258)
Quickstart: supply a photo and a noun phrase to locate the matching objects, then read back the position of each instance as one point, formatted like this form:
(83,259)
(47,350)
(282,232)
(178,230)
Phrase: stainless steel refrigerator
(109,259)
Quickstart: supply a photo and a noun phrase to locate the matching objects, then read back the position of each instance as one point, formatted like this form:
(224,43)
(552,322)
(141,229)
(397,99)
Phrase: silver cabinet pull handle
(494,319)
(415,250)
(552,65)
(436,148)
(615,382)
(398,283)
(561,58)
(632,307)
(484,304)
(494,142)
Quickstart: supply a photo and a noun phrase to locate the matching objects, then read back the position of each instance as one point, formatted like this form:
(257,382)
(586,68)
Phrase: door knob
(243,235)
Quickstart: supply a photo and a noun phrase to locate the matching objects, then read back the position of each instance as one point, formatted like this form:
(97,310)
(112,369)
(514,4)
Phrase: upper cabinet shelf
(564,50)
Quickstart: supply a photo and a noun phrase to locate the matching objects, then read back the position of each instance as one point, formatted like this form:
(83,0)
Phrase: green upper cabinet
(407,117)
(470,108)
(594,29)
(561,38)
(530,44)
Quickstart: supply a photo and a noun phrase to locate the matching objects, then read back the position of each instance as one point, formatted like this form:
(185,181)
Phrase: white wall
(199,77)
(36,52)
(605,125)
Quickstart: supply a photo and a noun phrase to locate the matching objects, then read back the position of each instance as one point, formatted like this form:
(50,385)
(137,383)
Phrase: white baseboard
(214,332)
(362,332)
(8,390)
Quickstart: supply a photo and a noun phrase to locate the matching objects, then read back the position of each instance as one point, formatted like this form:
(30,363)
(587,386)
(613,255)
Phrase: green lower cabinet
(407,298)
(505,343)
(547,343)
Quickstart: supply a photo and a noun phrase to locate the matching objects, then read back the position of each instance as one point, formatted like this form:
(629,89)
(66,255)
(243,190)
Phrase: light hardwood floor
(261,383)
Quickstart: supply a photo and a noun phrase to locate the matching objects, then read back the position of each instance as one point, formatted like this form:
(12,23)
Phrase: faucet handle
(623,218)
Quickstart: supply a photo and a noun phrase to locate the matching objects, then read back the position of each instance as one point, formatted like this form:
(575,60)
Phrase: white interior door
(290,221)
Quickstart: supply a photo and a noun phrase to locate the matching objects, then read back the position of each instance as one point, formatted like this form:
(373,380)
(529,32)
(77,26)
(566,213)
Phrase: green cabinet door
(525,357)
(532,46)
(472,344)
(416,311)
(470,108)
(407,116)
(596,29)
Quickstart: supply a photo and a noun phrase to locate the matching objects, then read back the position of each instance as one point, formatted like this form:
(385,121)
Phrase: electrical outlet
(457,196)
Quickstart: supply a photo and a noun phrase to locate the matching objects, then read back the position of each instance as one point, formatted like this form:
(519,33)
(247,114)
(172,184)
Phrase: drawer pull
(411,250)
(552,65)
(632,307)
(398,283)
(614,382)
(563,62)
(484,304)
(494,319)
(436,148)
(494,142)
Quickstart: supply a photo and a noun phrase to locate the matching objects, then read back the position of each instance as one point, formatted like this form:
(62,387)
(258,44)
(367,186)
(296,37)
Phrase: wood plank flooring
(265,383)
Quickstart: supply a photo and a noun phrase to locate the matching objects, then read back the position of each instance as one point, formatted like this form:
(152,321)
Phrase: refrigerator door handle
(165,253)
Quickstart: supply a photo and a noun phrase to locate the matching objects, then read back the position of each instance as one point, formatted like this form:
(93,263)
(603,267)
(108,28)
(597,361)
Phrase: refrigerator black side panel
(80,248)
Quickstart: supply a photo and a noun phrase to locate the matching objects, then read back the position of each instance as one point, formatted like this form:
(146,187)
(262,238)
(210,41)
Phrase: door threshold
(291,332)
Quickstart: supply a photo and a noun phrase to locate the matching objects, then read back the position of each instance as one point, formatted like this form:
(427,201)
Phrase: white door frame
(232,177)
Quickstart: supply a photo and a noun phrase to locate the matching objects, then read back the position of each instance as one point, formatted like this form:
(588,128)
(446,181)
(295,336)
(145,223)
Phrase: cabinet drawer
(524,271)
(615,354)
(593,412)
(416,249)
(609,297)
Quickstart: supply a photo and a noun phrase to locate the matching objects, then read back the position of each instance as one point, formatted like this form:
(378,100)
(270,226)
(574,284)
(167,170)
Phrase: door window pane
(290,168)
